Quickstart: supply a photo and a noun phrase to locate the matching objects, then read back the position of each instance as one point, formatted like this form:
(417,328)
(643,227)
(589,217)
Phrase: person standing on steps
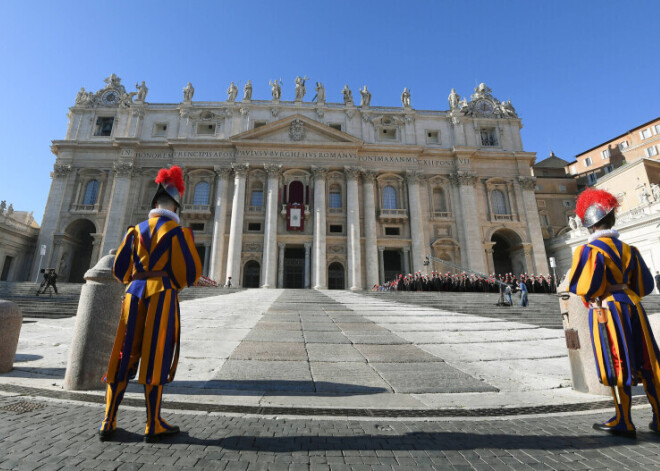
(524,296)
(611,277)
(156,259)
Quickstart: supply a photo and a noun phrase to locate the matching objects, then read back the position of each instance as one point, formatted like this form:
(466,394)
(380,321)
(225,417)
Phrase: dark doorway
(392,264)
(251,274)
(294,267)
(336,276)
(80,233)
(201,251)
(501,255)
(296,192)
(5,268)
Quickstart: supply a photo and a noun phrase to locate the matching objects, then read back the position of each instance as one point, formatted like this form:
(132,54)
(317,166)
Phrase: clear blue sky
(578,72)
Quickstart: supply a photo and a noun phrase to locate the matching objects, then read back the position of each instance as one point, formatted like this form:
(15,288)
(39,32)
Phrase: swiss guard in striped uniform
(156,259)
(611,277)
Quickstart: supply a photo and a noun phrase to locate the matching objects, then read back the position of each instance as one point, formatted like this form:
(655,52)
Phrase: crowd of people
(466,282)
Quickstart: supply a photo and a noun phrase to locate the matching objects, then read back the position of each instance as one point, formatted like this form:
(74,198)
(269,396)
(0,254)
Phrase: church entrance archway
(251,274)
(77,255)
(392,264)
(294,267)
(336,276)
(508,254)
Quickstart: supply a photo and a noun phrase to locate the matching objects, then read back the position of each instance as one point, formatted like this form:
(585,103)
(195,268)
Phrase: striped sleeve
(641,279)
(185,263)
(587,278)
(123,266)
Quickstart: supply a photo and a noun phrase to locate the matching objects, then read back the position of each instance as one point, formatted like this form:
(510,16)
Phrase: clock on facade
(110,97)
(484,107)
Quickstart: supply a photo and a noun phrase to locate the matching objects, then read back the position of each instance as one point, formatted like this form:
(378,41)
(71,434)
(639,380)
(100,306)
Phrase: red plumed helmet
(170,182)
(593,205)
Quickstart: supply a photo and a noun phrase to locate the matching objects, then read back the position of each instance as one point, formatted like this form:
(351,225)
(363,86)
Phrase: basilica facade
(302,193)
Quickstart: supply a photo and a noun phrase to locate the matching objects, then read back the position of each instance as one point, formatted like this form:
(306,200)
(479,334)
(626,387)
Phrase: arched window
(389,197)
(201,195)
(335,196)
(439,201)
(91,192)
(499,202)
(257,197)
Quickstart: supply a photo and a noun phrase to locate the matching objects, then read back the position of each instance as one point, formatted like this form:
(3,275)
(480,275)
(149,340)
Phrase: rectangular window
(651,151)
(591,178)
(197,226)
(657,128)
(257,198)
(488,137)
(104,126)
(254,226)
(541,203)
(160,129)
(568,203)
(623,145)
(573,170)
(336,126)
(605,154)
(645,134)
(204,129)
(387,134)
(432,137)
(588,162)
(562,188)
(335,199)
(392,231)
(258,124)
(336,228)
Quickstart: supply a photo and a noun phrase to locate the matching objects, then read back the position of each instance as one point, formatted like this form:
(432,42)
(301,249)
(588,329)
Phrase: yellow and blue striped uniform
(631,353)
(149,327)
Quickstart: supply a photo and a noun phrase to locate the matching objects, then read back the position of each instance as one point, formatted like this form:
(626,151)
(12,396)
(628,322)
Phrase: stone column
(280,265)
(468,225)
(529,260)
(60,176)
(416,223)
(236,228)
(406,261)
(530,208)
(381,264)
(308,246)
(353,229)
(489,257)
(96,247)
(207,257)
(114,224)
(219,224)
(269,261)
(370,236)
(319,276)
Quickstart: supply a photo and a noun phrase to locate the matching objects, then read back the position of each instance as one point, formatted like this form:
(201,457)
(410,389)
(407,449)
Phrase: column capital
(413,176)
(61,170)
(528,183)
(527,248)
(240,169)
(369,175)
(307,245)
(273,170)
(460,178)
(318,172)
(281,245)
(352,173)
(221,171)
(405,248)
(381,248)
(123,169)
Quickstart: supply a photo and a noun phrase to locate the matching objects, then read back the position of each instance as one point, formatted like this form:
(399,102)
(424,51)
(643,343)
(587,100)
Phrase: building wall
(18,236)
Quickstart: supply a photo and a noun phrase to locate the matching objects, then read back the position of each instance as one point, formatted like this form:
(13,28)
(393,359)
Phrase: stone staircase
(543,309)
(65,303)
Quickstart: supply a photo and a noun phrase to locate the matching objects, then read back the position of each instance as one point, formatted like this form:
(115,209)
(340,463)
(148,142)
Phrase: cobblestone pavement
(55,435)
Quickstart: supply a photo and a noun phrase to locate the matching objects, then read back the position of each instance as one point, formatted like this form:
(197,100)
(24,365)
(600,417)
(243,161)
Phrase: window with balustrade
(389,197)
(499,203)
(201,195)
(91,192)
(257,198)
(334,200)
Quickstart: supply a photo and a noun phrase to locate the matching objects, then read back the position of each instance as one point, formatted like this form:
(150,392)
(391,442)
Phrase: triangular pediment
(295,129)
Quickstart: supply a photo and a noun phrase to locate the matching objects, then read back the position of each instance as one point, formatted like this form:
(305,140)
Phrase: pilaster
(118,207)
(540,261)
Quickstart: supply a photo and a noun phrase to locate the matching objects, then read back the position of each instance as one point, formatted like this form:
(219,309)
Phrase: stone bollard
(96,325)
(575,317)
(11,320)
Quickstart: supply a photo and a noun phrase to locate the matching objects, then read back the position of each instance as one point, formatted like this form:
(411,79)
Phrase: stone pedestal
(96,325)
(11,320)
(575,317)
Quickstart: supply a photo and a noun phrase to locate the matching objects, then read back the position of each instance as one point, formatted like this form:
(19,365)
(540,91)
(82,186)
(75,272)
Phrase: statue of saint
(3,206)
(188,92)
(365,97)
(247,91)
(405,98)
(10,210)
(81,97)
(453,99)
(655,191)
(348,95)
(300,88)
(141,91)
(232,92)
(320,93)
(276,89)
(508,109)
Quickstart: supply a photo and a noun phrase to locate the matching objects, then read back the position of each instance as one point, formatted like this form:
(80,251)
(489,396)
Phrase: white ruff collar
(158,212)
(613,233)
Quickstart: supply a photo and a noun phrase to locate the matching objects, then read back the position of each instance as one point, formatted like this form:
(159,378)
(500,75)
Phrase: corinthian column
(472,253)
(219,223)
(236,228)
(537,255)
(370,246)
(416,223)
(269,264)
(280,265)
(114,223)
(353,229)
(319,277)
(308,246)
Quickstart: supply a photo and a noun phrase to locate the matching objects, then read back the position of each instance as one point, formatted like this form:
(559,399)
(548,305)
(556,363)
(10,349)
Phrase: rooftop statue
(247,91)
(232,92)
(300,87)
(405,98)
(141,91)
(276,89)
(365,97)
(320,93)
(453,100)
(348,95)
(188,93)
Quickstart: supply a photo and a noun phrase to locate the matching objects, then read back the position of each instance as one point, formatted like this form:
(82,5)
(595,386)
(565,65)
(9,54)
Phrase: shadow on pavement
(26,371)
(20,357)
(280,387)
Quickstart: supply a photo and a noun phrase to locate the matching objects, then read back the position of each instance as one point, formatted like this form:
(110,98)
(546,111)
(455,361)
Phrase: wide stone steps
(65,303)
